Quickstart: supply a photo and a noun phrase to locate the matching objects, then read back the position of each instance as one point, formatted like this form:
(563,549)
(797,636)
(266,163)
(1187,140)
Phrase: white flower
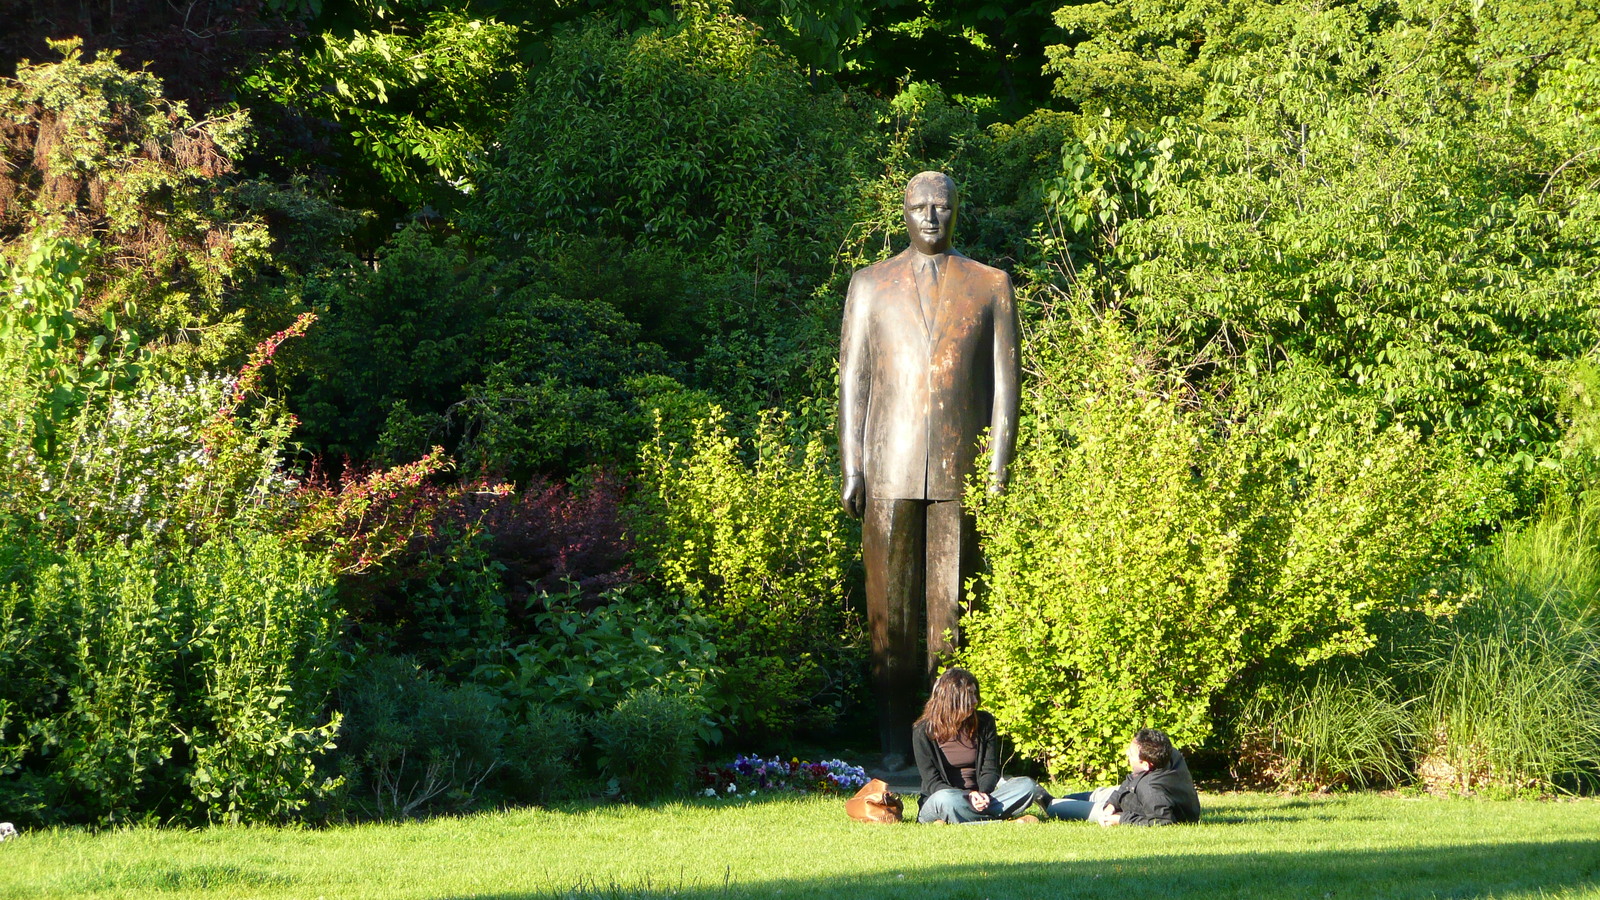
(711,792)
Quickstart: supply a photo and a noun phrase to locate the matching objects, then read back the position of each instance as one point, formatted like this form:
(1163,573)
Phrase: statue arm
(1007,385)
(855,386)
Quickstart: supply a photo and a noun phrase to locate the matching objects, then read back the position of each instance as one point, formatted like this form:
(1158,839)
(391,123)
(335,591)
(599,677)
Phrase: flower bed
(748,775)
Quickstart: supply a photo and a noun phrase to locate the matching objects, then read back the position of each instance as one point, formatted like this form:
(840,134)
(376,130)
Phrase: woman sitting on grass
(958,756)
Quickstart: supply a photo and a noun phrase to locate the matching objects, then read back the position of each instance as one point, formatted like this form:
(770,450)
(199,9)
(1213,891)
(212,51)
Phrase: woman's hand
(979,800)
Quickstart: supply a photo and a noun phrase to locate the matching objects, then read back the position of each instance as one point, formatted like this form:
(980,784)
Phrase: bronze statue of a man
(927,361)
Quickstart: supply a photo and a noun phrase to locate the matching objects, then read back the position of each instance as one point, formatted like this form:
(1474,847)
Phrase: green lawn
(1250,846)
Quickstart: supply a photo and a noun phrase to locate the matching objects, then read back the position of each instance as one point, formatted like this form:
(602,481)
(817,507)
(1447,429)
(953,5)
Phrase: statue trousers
(918,554)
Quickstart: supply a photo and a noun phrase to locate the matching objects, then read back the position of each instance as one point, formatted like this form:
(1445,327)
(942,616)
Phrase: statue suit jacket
(915,395)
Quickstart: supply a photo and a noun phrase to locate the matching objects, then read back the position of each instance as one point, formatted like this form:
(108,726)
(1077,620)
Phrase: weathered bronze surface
(927,360)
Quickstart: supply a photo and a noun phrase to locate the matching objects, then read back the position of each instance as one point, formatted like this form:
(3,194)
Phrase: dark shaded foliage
(193,48)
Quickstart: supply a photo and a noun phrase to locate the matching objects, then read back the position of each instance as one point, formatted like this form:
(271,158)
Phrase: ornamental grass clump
(1331,731)
(1509,702)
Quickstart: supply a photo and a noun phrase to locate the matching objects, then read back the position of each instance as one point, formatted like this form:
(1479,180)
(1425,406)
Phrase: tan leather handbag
(875,804)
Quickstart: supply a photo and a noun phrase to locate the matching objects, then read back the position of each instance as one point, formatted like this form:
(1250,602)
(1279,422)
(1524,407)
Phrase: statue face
(930,216)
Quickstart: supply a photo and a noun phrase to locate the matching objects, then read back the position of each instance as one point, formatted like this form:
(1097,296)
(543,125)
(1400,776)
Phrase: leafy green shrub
(690,177)
(510,378)
(587,659)
(183,683)
(263,641)
(647,742)
(188,262)
(558,392)
(542,753)
(415,93)
(427,302)
(696,136)
(50,364)
(1147,554)
(1298,217)
(415,744)
(1332,730)
(760,549)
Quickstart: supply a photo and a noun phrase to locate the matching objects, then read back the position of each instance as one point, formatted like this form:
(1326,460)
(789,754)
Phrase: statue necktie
(927,275)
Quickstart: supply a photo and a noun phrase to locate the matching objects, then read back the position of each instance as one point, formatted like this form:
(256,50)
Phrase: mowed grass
(1250,846)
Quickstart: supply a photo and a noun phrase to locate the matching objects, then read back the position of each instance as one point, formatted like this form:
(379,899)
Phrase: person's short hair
(1154,747)
(940,177)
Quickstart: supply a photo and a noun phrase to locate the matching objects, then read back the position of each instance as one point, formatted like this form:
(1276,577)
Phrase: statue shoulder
(973,269)
(881,272)
(879,268)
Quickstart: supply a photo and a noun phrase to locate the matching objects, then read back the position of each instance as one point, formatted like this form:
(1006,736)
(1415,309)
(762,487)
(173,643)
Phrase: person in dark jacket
(958,756)
(1158,792)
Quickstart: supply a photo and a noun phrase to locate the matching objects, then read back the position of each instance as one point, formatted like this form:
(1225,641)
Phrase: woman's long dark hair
(952,709)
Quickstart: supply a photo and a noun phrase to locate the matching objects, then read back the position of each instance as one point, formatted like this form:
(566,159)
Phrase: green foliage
(1140,58)
(987,55)
(165,460)
(562,388)
(1507,686)
(758,547)
(416,99)
(587,661)
(541,754)
(1000,170)
(262,648)
(96,154)
(691,178)
(749,169)
(184,684)
(458,612)
(425,302)
(47,373)
(647,743)
(514,380)
(1156,545)
(1349,196)
(1344,730)
(414,744)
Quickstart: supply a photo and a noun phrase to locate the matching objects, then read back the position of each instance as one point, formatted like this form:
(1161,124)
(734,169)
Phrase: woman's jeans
(1008,800)
(1078,806)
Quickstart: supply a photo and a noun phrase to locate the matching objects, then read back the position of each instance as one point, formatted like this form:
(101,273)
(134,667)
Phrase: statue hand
(854,495)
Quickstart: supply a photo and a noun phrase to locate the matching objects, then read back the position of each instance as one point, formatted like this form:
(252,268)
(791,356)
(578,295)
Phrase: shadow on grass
(1535,868)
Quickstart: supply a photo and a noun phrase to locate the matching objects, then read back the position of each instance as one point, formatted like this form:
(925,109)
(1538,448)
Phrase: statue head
(930,209)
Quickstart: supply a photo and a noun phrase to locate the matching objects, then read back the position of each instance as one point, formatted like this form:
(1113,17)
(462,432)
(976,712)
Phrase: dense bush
(1156,545)
(692,179)
(1493,694)
(647,743)
(512,380)
(453,574)
(1423,242)
(588,661)
(760,549)
(199,263)
(543,755)
(186,684)
(1506,687)
(415,744)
